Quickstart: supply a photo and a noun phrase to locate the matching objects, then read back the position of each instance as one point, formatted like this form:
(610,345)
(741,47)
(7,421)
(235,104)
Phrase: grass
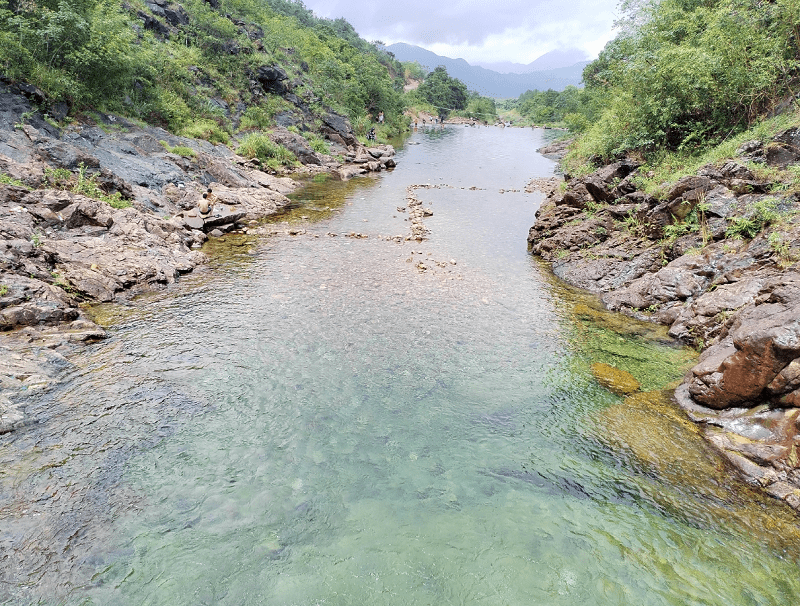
(262,116)
(9,180)
(317,143)
(760,214)
(3,290)
(180,150)
(84,184)
(206,129)
(259,145)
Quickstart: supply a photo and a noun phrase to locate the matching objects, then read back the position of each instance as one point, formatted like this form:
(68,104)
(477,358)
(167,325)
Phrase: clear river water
(316,419)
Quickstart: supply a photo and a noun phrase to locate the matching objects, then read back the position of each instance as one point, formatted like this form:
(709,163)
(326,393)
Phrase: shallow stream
(316,420)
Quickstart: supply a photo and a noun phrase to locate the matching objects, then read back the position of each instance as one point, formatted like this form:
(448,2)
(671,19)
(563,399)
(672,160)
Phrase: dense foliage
(479,108)
(446,94)
(684,74)
(573,107)
(102,55)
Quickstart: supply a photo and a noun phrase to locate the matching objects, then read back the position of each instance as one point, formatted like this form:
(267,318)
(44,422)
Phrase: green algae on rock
(642,349)
(615,380)
(687,477)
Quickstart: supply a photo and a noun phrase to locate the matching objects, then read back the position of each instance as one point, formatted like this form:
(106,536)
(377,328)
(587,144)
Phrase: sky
(481,31)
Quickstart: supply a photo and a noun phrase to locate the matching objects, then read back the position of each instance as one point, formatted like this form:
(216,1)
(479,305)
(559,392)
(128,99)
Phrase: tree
(443,92)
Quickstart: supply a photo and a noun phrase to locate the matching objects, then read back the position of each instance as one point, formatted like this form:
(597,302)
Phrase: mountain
(557,59)
(552,60)
(492,83)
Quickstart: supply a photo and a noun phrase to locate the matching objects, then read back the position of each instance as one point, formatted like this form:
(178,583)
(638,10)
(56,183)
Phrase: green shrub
(81,183)
(259,145)
(262,116)
(761,214)
(317,143)
(179,150)
(9,180)
(57,178)
(361,125)
(87,185)
(206,129)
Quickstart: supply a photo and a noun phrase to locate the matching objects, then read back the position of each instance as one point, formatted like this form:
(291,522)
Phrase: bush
(262,116)
(317,143)
(761,214)
(180,150)
(206,129)
(9,180)
(82,183)
(259,145)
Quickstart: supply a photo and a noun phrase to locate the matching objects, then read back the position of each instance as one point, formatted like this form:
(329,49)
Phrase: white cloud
(477,30)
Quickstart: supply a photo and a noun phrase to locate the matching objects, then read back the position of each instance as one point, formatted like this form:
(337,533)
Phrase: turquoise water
(317,421)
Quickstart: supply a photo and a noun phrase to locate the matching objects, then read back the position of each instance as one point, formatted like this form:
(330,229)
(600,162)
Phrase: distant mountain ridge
(491,83)
(552,60)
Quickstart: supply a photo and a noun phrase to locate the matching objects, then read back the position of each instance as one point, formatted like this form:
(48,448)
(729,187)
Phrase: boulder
(153,24)
(602,184)
(222,214)
(334,125)
(687,184)
(296,144)
(577,196)
(720,202)
(745,367)
(86,211)
(176,15)
(272,78)
(35,313)
(784,149)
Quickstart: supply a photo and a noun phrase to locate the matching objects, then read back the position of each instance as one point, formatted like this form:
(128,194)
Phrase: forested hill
(199,68)
(491,83)
(683,75)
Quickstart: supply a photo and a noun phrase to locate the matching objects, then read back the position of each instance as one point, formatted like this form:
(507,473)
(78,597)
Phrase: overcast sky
(480,30)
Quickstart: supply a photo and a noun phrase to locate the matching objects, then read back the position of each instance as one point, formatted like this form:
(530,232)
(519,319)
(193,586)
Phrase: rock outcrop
(697,257)
(99,212)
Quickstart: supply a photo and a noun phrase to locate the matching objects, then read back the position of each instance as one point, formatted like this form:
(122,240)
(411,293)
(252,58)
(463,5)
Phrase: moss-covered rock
(686,476)
(618,381)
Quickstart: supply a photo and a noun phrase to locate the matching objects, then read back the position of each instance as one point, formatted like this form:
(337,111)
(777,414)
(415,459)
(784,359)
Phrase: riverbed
(342,416)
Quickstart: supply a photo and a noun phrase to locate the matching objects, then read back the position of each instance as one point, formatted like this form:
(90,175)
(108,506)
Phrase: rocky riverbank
(713,256)
(104,209)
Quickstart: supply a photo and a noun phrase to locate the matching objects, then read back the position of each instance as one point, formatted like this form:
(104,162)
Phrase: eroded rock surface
(677,259)
(60,248)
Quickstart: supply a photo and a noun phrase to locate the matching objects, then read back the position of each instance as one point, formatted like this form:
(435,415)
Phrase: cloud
(477,30)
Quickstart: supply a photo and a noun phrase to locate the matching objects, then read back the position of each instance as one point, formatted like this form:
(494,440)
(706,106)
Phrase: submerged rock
(692,479)
(738,299)
(615,380)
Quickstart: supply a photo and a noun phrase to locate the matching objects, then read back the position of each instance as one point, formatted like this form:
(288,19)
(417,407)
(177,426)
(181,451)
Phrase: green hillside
(203,69)
(681,78)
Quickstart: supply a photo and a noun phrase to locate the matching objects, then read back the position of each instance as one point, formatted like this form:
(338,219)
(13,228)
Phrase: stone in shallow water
(686,476)
(615,380)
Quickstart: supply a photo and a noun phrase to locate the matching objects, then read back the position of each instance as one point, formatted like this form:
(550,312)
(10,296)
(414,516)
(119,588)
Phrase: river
(324,419)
